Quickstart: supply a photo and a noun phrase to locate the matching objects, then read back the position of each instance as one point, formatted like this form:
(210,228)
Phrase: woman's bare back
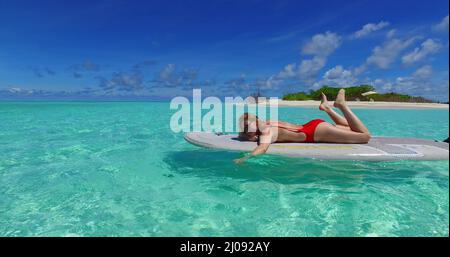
(284,132)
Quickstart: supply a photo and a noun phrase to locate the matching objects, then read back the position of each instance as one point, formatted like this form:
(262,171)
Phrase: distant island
(356,93)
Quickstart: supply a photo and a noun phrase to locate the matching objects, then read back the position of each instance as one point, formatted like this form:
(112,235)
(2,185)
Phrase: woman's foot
(324,105)
(340,99)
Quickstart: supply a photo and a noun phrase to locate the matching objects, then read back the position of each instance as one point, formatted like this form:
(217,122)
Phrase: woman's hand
(261,149)
(266,140)
(241,160)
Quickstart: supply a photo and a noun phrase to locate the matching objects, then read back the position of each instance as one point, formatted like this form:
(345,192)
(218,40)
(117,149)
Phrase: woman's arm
(266,139)
(260,149)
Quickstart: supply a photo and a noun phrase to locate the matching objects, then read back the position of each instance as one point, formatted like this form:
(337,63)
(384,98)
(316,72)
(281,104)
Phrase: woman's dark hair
(244,134)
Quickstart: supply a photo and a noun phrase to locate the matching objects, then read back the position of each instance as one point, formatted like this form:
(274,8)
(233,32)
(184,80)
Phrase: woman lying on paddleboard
(347,130)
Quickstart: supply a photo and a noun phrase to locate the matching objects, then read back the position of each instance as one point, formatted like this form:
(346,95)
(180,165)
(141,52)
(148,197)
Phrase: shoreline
(281,103)
(363,105)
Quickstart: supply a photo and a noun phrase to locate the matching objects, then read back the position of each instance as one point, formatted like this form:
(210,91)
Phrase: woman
(347,130)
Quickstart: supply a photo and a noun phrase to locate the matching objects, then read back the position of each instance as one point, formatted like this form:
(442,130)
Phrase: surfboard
(378,149)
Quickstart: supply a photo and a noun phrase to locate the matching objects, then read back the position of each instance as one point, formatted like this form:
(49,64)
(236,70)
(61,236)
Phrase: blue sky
(160,49)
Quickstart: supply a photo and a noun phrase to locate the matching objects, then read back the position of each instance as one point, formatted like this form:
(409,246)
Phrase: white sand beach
(370,105)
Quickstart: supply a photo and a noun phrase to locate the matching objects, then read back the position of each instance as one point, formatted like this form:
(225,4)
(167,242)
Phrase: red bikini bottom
(309,129)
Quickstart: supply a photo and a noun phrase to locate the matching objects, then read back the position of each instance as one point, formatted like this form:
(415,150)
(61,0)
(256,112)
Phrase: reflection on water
(116,169)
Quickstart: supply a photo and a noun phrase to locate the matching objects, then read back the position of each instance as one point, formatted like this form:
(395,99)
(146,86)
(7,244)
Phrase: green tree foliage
(297,97)
(353,94)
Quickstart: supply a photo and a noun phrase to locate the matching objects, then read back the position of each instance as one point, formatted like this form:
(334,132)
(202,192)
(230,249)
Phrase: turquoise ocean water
(116,169)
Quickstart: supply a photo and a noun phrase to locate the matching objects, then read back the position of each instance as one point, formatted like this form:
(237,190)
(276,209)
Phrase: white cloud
(182,79)
(167,72)
(423,72)
(381,84)
(427,48)
(19,93)
(123,81)
(391,33)
(421,83)
(322,44)
(360,69)
(16,90)
(309,69)
(320,47)
(337,76)
(239,83)
(289,71)
(337,72)
(369,28)
(383,56)
(88,65)
(442,26)
(408,84)
(271,82)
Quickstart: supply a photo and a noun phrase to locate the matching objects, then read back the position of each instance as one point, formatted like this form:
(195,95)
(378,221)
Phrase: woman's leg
(354,122)
(326,107)
(327,133)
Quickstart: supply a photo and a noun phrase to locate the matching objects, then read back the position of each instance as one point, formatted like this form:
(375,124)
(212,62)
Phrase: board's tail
(446,140)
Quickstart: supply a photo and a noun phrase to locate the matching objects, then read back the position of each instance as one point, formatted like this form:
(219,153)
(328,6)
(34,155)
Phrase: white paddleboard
(378,149)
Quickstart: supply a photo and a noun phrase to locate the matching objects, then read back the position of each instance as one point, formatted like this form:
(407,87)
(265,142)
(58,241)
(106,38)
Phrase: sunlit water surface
(116,169)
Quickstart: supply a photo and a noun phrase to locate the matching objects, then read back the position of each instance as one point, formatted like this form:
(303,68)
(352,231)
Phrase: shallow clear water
(116,169)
